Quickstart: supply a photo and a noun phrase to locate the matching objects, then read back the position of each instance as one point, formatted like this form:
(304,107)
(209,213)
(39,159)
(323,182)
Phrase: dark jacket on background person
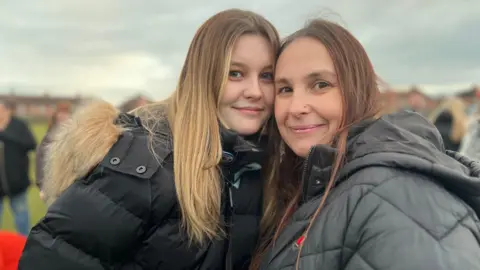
(400,202)
(16,141)
(124,214)
(444,124)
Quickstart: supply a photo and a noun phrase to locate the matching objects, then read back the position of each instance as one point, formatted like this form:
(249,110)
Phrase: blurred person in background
(470,146)
(471,108)
(62,112)
(472,102)
(16,141)
(417,103)
(451,120)
(175,184)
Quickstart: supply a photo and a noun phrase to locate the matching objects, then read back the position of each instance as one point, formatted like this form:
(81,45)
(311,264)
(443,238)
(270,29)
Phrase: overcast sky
(117,48)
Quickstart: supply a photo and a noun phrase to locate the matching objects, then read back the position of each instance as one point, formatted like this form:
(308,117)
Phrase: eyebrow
(236,63)
(242,65)
(312,75)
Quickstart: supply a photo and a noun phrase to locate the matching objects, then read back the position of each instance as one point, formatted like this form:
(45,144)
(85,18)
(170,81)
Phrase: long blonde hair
(192,114)
(456,107)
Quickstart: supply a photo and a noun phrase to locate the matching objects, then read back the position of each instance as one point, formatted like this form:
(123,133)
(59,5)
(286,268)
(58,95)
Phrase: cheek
(335,115)
(329,106)
(268,90)
(280,111)
(230,93)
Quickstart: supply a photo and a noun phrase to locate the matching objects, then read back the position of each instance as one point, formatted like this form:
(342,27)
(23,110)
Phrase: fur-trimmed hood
(78,145)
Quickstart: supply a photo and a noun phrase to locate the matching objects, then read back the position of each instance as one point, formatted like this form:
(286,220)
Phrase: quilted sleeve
(409,223)
(85,228)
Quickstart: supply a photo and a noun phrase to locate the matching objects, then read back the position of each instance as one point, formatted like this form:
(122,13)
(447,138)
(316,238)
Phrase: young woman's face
(308,101)
(248,97)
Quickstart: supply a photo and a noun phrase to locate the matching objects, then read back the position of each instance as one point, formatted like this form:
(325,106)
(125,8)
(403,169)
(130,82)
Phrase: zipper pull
(230,196)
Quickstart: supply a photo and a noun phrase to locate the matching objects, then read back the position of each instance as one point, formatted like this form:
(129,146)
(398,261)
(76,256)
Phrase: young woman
(367,192)
(178,184)
(62,113)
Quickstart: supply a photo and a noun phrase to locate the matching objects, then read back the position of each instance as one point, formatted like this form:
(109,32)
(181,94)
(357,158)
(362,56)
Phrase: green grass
(36,206)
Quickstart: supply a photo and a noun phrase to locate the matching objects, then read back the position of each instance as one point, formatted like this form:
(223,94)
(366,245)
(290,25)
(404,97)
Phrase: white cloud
(113,48)
(132,70)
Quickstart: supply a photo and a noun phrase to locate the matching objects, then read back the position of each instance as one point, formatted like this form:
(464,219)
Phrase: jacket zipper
(228,262)
(304,172)
(228,208)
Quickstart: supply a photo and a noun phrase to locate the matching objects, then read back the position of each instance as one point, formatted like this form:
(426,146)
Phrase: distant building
(134,102)
(37,107)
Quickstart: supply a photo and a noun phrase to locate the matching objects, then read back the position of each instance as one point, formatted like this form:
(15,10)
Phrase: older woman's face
(308,101)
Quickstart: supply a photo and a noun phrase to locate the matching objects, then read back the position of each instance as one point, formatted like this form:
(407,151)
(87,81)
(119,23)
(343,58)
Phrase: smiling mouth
(249,110)
(306,129)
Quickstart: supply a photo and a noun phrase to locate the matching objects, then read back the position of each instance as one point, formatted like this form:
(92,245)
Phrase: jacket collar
(239,151)
(318,165)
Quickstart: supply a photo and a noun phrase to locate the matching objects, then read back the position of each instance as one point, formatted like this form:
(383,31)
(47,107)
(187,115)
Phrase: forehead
(303,56)
(252,50)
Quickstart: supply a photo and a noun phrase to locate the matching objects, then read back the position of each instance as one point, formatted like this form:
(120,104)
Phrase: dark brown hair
(358,83)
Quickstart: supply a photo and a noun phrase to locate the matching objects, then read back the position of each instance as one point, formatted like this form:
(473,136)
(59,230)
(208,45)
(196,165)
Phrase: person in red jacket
(11,247)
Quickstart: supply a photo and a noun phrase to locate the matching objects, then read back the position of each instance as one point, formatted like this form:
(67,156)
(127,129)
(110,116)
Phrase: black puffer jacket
(400,203)
(125,214)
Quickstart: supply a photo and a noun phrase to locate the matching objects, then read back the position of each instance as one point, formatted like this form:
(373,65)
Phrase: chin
(301,150)
(246,131)
(246,128)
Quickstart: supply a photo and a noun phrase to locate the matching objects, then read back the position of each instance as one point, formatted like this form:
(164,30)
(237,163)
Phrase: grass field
(37,207)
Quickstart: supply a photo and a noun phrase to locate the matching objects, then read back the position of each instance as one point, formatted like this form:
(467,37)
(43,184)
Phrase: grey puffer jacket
(400,202)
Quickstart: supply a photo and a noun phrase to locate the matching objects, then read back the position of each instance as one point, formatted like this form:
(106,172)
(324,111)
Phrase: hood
(78,145)
(406,141)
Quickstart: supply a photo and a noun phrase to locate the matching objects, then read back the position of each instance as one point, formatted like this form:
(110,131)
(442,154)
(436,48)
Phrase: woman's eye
(285,89)
(267,76)
(321,85)
(235,74)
